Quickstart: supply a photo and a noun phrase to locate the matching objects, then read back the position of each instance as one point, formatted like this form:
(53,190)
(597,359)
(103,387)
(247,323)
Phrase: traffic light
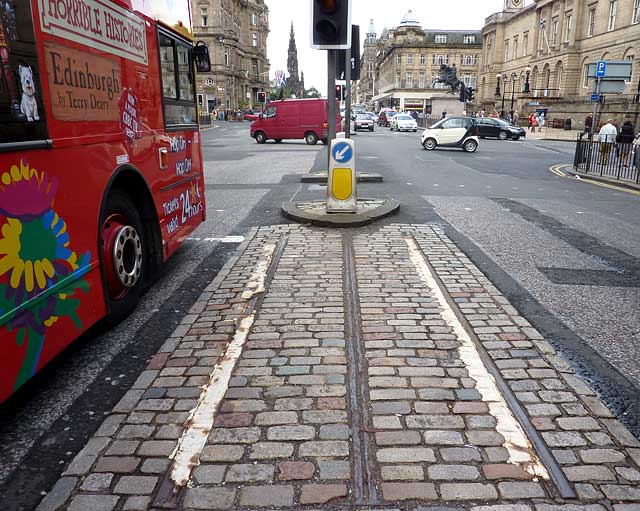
(331,24)
(470,96)
(262,97)
(463,93)
(339,92)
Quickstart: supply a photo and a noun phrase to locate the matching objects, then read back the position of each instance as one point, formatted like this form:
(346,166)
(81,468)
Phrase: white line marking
(226,239)
(520,450)
(186,455)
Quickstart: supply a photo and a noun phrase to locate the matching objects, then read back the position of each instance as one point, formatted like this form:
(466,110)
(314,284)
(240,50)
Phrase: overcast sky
(432,14)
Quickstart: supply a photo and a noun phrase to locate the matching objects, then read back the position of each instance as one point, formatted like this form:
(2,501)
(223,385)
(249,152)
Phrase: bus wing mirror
(201,57)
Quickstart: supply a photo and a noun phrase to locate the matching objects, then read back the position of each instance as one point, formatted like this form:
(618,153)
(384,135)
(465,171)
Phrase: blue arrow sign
(601,68)
(342,152)
(595,98)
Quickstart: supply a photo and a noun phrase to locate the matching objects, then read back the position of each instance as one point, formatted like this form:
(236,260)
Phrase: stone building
(236,32)
(537,55)
(295,81)
(398,68)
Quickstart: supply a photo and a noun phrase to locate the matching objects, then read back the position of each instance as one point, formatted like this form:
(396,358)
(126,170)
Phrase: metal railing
(607,159)
(205,120)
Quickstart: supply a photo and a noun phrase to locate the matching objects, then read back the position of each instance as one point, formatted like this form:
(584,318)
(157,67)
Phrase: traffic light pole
(331,101)
(347,77)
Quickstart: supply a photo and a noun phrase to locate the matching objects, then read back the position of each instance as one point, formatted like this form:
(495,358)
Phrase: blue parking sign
(601,68)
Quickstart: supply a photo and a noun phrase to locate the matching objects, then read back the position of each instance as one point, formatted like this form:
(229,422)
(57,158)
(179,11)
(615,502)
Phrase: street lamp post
(513,92)
(526,83)
(498,76)
(504,90)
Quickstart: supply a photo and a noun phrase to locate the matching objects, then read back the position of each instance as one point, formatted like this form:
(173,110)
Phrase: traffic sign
(342,152)
(595,98)
(601,68)
(341,186)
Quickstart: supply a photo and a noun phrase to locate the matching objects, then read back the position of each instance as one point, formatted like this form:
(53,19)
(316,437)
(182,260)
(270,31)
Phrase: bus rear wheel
(123,255)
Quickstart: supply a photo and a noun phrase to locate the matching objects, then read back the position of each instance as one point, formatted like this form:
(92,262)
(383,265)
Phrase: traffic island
(315,212)
(322,177)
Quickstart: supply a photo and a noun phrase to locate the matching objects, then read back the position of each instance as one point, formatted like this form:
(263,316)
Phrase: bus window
(178,90)
(22,116)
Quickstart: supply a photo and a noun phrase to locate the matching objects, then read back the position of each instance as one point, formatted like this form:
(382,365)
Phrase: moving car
(452,132)
(363,122)
(497,128)
(384,119)
(251,115)
(293,119)
(374,116)
(404,122)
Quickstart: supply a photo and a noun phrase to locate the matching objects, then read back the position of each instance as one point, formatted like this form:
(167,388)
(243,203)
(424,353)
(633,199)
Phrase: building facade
(399,67)
(537,56)
(236,32)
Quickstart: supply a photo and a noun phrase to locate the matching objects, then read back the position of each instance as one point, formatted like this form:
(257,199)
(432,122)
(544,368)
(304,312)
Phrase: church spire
(292,65)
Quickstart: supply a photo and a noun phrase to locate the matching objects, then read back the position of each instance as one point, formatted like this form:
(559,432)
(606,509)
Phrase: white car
(451,132)
(404,122)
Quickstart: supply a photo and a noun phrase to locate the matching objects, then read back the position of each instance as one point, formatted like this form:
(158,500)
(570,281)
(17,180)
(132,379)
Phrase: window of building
(592,22)
(506,50)
(409,79)
(630,58)
(525,44)
(469,39)
(613,9)
(226,57)
(543,33)
(440,59)
(567,27)
(410,59)
(254,67)
(397,78)
(421,77)
(204,14)
(254,39)
(423,57)
(469,60)
(254,19)
(441,38)
(585,76)
(554,31)
(636,12)
(515,47)
(399,59)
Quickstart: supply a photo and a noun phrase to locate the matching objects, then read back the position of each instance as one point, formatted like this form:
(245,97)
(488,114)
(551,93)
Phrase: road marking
(186,455)
(556,169)
(519,448)
(226,239)
(419,158)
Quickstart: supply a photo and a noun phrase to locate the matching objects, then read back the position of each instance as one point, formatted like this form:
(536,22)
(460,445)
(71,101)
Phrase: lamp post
(513,92)
(498,76)
(504,89)
(526,83)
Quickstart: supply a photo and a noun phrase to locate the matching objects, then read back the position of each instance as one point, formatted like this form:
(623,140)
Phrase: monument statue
(448,76)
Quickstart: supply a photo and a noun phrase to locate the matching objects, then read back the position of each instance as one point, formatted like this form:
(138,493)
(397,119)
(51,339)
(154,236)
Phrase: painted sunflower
(26,193)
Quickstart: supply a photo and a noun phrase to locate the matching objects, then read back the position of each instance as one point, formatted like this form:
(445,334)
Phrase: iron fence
(606,159)
(427,121)
(205,120)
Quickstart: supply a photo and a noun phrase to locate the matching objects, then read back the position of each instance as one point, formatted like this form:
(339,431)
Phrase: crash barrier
(607,159)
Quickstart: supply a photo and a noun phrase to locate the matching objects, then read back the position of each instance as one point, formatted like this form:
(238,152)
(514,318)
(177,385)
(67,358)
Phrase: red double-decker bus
(101,174)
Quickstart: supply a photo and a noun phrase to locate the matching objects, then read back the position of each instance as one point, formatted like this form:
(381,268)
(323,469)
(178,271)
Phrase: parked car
(497,128)
(404,122)
(363,122)
(385,116)
(293,119)
(452,132)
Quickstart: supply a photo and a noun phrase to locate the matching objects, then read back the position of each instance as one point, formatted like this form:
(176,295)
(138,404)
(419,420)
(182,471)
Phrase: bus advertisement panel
(101,175)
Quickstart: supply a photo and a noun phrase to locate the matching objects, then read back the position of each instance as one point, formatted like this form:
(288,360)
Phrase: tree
(312,93)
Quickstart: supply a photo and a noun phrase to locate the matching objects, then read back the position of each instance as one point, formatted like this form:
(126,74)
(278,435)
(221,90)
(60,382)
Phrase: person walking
(636,152)
(625,138)
(588,126)
(607,137)
(516,118)
(533,122)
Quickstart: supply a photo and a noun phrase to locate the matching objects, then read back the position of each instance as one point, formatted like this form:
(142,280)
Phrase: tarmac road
(543,240)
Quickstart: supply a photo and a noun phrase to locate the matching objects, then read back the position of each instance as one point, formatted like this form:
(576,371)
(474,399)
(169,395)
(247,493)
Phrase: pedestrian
(444,114)
(541,121)
(515,118)
(607,137)
(414,114)
(588,126)
(533,122)
(625,138)
(636,152)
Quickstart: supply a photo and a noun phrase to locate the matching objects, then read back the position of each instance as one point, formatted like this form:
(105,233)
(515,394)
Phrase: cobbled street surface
(369,369)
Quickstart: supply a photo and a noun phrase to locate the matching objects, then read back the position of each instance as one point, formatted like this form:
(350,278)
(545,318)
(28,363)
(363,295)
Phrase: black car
(489,127)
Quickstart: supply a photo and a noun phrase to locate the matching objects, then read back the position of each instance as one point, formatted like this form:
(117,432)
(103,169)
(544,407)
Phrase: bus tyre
(261,138)
(123,255)
(311,138)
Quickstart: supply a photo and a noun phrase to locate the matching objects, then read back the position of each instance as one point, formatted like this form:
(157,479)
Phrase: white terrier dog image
(28,105)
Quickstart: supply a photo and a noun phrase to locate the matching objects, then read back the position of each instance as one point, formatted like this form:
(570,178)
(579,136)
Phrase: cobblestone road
(369,369)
